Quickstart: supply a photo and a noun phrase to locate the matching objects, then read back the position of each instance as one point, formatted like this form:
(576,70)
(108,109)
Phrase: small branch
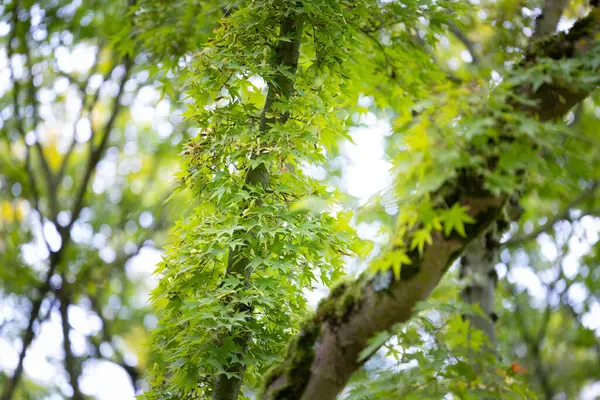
(382,50)
(533,346)
(31,94)
(577,318)
(11,384)
(96,152)
(86,108)
(562,215)
(449,75)
(17,112)
(71,363)
(21,129)
(469,44)
(550,288)
(119,359)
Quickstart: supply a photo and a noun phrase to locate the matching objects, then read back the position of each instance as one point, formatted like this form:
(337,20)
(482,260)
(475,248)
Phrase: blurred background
(91,97)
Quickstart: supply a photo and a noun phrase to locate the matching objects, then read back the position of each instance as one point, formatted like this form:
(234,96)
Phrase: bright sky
(365,174)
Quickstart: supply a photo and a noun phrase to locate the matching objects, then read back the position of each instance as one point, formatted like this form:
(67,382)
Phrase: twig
(562,215)
(71,364)
(31,94)
(464,39)
(533,347)
(86,108)
(96,152)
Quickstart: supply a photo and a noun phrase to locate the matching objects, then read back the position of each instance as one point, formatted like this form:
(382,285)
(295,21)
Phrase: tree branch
(11,384)
(533,347)
(97,152)
(71,363)
(547,22)
(133,372)
(18,121)
(31,95)
(55,257)
(323,356)
(560,216)
(86,108)
(464,39)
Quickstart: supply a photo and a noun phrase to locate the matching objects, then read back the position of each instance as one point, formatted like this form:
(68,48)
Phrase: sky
(365,173)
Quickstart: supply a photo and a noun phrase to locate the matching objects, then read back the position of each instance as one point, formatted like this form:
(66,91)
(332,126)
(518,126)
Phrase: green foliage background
(442,74)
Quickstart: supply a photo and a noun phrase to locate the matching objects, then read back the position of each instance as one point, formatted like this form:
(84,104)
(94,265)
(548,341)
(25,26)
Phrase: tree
(88,137)
(482,281)
(470,149)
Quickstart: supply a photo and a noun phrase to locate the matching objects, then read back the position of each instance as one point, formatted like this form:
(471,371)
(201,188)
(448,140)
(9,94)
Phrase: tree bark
(478,267)
(323,356)
(547,22)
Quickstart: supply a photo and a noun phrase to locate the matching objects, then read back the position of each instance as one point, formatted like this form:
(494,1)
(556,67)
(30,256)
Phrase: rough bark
(477,267)
(286,55)
(323,356)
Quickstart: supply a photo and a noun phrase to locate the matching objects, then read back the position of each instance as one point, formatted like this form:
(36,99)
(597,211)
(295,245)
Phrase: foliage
(492,135)
(87,152)
(439,130)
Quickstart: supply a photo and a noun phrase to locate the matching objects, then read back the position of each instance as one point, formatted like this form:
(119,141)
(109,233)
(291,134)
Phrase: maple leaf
(420,237)
(455,219)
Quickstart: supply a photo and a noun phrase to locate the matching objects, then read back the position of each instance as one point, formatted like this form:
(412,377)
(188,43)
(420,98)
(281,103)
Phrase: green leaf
(420,238)
(455,219)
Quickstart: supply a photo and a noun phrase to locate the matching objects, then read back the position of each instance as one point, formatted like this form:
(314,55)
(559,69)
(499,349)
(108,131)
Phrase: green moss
(564,44)
(343,299)
(296,369)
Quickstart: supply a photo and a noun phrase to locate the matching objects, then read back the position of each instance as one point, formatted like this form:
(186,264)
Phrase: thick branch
(324,354)
(547,22)
(354,312)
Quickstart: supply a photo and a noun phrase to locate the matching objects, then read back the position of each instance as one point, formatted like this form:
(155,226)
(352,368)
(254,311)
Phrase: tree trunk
(478,268)
(286,55)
